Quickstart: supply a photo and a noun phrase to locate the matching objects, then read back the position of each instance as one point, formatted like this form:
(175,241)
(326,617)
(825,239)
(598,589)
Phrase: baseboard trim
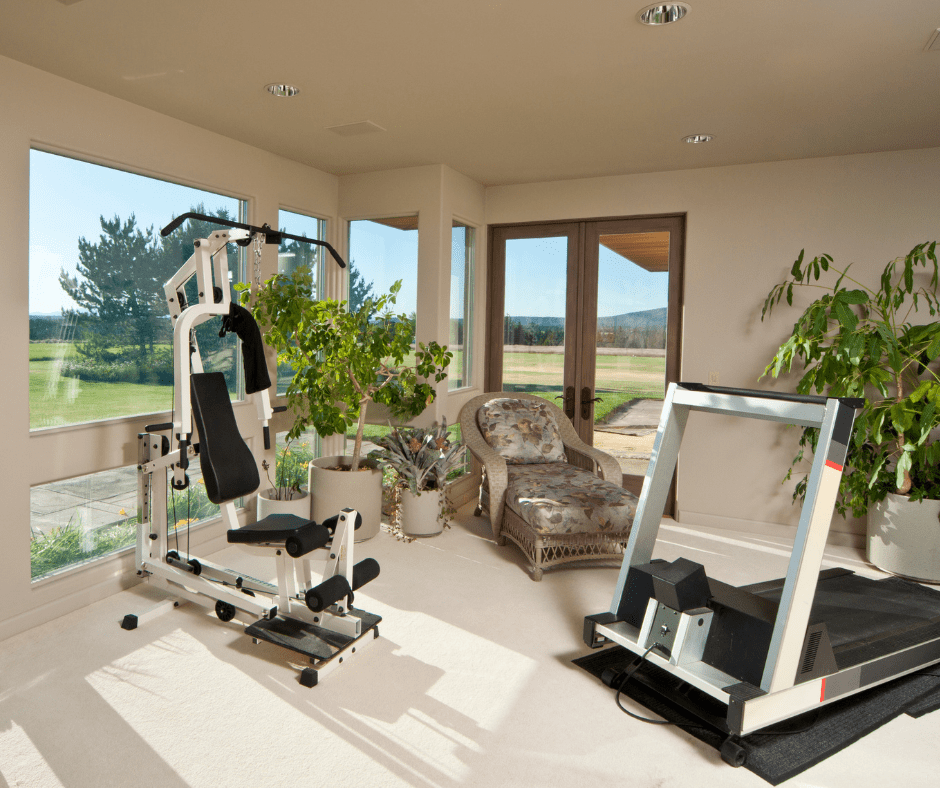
(852,539)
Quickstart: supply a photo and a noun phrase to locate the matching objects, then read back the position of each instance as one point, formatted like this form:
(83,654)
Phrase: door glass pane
(630,376)
(534,320)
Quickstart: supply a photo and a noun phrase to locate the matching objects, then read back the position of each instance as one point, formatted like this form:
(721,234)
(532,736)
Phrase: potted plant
(286,494)
(343,361)
(856,340)
(421,460)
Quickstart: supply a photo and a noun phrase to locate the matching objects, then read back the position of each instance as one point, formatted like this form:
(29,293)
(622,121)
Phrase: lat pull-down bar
(271,236)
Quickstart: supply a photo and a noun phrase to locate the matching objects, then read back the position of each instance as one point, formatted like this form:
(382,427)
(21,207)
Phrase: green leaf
(795,271)
(846,316)
(855,296)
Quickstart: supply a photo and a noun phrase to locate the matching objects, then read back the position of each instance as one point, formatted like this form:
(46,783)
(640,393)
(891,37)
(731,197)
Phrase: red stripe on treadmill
(822,691)
(831,464)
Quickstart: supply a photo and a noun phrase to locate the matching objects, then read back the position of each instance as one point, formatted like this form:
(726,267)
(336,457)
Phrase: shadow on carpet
(784,750)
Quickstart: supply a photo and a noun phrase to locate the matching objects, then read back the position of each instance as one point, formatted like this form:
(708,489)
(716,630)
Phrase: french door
(588,313)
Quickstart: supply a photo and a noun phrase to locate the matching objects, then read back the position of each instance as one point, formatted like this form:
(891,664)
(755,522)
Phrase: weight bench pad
(273,528)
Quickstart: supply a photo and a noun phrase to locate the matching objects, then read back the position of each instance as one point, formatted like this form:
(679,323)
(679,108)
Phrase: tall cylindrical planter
(420,514)
(335,488)
(904,537)
(298,505)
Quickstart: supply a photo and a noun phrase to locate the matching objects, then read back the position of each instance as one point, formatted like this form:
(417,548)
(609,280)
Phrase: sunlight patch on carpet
(21,764)
(175,692)
(469,684)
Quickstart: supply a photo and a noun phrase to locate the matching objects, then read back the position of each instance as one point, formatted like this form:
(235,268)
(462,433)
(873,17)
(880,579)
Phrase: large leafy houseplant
(344,360)
(856,340)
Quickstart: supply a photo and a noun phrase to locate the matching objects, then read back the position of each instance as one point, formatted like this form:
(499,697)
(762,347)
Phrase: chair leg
(536,573)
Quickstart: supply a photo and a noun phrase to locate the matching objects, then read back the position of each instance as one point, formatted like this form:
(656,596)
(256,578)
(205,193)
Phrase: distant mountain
(650,318)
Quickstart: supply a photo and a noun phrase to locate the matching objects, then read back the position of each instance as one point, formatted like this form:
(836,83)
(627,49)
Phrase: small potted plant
(421,460)
(856,340)
(286,494)
(343,361)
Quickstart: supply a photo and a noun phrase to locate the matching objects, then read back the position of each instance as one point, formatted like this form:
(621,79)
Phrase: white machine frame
(165,449)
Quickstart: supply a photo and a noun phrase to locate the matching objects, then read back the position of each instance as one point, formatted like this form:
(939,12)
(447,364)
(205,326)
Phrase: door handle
(586,402)
(569,401)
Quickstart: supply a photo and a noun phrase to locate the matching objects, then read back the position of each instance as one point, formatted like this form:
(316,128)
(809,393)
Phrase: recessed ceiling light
(696,138)
(282,90)
(663,13)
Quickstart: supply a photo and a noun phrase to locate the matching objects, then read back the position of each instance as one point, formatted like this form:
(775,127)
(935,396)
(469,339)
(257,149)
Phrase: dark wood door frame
(582,240)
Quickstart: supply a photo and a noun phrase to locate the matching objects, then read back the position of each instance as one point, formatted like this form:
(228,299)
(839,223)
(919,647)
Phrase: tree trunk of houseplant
(420,514)
(335,489)
(904,537)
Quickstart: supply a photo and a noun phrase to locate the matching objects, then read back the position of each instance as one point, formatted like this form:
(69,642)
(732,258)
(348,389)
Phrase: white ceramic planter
(299,505)
(420,513)
(904,537)
(335,490)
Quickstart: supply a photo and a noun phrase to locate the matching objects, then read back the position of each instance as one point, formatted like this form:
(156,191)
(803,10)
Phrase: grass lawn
(618,379)
(55,401)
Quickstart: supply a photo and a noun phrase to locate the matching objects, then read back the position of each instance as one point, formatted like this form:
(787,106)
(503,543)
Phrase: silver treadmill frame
(779,696)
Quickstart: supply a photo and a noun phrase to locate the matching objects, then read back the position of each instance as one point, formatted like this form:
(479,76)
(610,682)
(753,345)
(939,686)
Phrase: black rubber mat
(785,750)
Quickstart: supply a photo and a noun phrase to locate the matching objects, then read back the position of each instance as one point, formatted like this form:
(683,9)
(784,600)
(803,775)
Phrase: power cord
(623,682)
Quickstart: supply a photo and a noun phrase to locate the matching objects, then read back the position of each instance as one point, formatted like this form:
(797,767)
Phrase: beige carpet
(470,684)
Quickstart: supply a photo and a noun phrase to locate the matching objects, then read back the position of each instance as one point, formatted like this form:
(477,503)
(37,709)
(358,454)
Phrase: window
(100,335)
(461,306)
(292,255)
(101,340)
(382,251)
(83,518)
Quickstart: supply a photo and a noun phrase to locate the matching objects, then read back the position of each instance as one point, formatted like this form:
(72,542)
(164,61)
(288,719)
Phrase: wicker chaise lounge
(555,511)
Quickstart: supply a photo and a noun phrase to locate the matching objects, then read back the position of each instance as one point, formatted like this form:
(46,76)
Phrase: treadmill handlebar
(855,403)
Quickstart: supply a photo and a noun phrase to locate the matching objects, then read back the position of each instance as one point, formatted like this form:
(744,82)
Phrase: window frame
(61,452)
(470,252)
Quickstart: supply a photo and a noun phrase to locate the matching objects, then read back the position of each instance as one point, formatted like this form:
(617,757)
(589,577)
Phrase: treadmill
(744,658)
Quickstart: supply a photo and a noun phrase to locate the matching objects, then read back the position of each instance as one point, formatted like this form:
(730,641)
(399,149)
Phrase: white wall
(52,113)
(745,226)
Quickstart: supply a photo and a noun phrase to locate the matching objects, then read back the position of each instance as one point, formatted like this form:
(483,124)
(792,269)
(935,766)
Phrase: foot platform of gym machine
(326,649)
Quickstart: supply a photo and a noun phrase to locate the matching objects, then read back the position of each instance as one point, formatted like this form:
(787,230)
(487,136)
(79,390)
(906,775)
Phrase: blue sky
(384,255)
(67,197)
(536,283)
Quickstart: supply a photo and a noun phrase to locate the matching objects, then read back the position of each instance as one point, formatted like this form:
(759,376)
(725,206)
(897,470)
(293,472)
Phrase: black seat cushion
(228,466)
(273,528)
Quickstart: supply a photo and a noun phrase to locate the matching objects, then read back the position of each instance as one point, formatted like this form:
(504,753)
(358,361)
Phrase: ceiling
(509,91)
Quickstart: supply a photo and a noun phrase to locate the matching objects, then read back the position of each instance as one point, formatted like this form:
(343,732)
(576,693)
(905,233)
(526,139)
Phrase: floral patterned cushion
(521,431)
(557,498)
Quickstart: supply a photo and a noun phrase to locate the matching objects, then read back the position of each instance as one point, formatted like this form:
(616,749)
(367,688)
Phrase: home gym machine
(742,659)
(313,618)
